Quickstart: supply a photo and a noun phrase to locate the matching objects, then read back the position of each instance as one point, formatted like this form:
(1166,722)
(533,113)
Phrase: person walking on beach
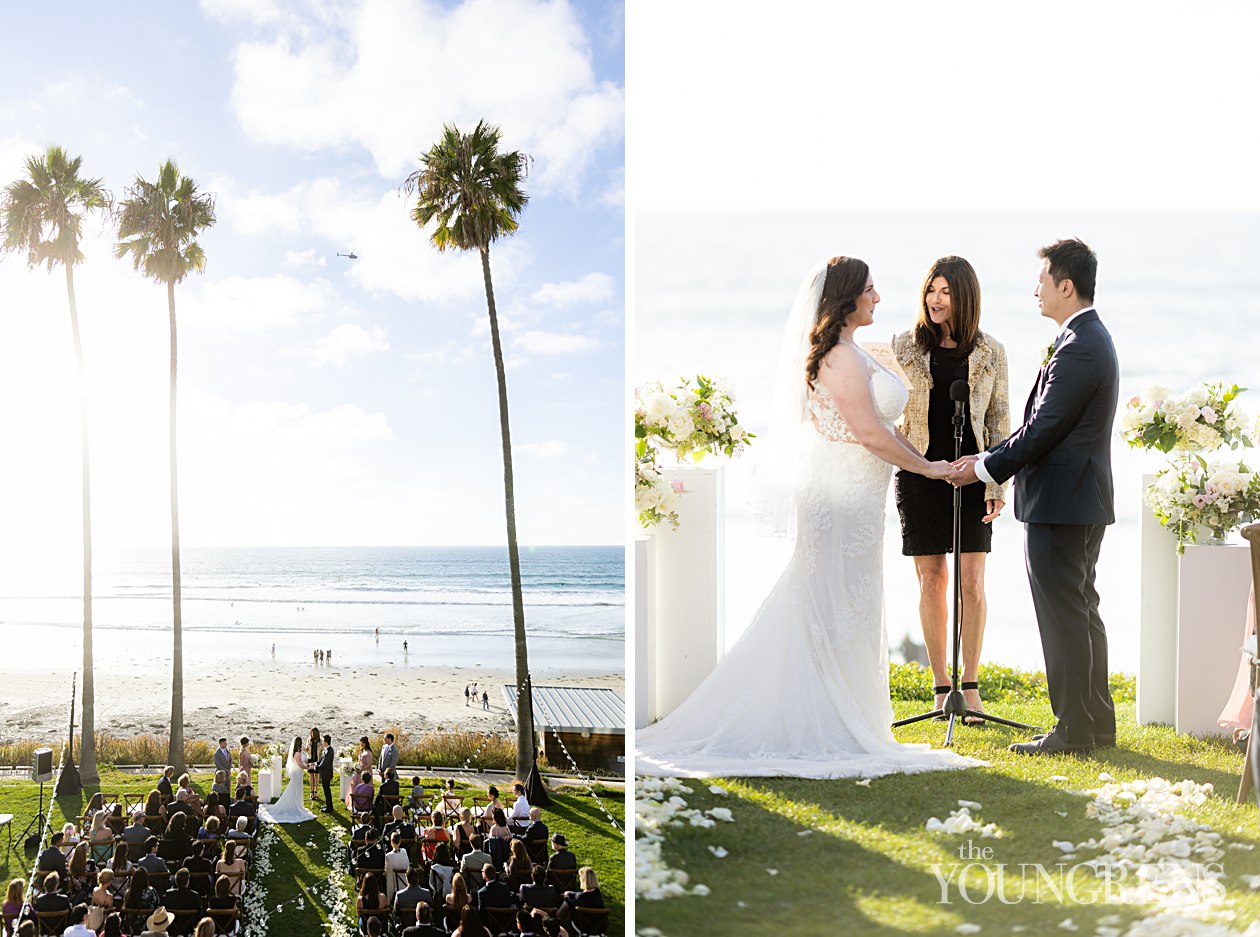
(467,693)
(328,657)
(485,700)
(404,646)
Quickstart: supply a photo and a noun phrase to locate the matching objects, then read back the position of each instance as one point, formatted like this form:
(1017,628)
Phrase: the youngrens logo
(979,879)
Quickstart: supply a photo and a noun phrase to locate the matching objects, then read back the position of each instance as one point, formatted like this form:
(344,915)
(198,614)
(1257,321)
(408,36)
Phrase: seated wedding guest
(399,825)
(589,897)
(141,898)
(137,832)
(178,804)
(204,928)
(424,924)
(182,898)
(240,835)
(371,858)
(211,830)
(177,842)
(371,901)
(494,893)
(201,868)
(441,873)
(78,873)
(215,808)
(499,826)
(165,783)
(52,859)
(448,801)
(475,860)
(191,797)
(470,925)
(69,838)
(103,894)
(232,867)
(525,924)
(397,863)
(14,898)
(492,805)
(519,868)
(52,899)
(387,796)
(244,790)
(358,837)
(363,795)
(151,862)
(154,813)
(75,923)
(463,832)
(458,899)
(101,837)
(520,808)
(416,802)
(561,860)
(537,831)
(434,835)
(220,786)
(222,899)
(121,866)
(242,807)
(538,893)
(406,899)
(113,926)
(158,923)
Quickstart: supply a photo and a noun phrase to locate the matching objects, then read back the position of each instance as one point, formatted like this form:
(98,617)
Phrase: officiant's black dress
(926,505)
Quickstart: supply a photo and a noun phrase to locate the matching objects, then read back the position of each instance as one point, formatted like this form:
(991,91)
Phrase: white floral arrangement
(348,768)
(1202,418)
(687,421)
(1192,493)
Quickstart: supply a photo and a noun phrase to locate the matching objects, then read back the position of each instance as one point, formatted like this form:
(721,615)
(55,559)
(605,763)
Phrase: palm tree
(43,216)
(158,226)
(474,194)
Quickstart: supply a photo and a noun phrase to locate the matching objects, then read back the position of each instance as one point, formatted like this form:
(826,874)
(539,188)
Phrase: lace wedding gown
(804,692)
(289,809)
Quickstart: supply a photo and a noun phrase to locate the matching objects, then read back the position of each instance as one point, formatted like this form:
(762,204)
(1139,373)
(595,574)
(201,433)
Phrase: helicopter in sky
(352,255)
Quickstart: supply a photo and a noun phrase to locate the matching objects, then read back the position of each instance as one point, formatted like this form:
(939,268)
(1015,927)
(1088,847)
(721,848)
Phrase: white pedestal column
(1212,596)
(644,631)
(1157,635)
(689,588)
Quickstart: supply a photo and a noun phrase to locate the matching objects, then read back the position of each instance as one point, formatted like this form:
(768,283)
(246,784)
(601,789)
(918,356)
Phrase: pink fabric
(1237,712)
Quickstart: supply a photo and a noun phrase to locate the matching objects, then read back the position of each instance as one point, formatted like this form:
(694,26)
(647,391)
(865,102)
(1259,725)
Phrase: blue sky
(322,400)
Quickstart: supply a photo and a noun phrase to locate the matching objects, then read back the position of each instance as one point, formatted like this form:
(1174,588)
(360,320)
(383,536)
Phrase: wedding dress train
(289,809)
(804,692)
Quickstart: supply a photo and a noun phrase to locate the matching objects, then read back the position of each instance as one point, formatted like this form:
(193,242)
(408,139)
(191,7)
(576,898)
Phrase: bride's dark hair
(843,284)
(297,745)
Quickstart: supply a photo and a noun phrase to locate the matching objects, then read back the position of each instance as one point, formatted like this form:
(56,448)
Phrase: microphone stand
(955,706)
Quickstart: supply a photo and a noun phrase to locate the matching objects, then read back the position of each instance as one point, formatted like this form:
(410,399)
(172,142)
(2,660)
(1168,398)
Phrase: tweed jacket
(989,406)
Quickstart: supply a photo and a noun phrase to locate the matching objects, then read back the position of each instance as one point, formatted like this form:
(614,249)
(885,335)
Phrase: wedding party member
(366,758)
(223,760)
(946,345)
(324,770)
(816,648)
(1064,494)
(389,755)
(245,759)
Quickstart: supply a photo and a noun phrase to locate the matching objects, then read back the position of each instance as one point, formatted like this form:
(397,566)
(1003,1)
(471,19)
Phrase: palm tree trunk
(176,754)
(88,772)
(524,690)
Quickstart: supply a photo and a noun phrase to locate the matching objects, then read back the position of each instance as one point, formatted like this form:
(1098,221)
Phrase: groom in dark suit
(1061,460)
(325,769)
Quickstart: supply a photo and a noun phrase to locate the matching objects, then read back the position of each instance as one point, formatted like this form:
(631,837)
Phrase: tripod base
(955,708)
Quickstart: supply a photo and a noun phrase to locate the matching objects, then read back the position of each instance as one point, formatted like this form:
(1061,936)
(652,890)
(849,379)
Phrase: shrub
(997,683)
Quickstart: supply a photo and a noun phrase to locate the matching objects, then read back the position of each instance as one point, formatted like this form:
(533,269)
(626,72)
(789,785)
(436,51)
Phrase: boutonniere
(1048,355)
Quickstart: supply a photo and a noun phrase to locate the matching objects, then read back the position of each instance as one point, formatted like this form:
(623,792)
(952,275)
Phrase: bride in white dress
(289,809)
(804,692)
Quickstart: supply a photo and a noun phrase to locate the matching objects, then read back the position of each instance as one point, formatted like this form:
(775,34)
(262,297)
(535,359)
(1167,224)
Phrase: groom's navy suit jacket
(325,765)
(1061,456)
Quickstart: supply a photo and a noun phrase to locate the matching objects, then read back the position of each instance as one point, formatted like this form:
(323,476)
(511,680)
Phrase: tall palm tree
(43,216)
(158,226)
(473,193)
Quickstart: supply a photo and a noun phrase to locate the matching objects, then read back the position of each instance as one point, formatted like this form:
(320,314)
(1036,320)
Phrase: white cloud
(306,258)
(591,288)
(372,82)
(553,343)
(344,342)
(252,304)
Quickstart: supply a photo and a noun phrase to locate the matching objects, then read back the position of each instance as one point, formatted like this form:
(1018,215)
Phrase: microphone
(959,392)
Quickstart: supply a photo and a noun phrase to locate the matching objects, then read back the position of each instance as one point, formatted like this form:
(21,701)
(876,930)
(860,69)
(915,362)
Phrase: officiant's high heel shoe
(940,703)
(971,720)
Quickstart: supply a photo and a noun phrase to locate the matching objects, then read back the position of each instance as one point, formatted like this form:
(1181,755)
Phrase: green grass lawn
(865,866)
(299,857)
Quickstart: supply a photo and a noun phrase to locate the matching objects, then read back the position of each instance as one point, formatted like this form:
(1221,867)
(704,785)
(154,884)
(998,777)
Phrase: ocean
(452,605)
(1180,294)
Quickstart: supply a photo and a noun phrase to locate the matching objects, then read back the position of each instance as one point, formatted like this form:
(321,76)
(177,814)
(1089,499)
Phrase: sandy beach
(268,700)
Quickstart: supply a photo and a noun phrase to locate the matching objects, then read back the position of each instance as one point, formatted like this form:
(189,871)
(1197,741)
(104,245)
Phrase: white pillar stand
(644,631)
(1212,597)
(688,572)
(1157,634)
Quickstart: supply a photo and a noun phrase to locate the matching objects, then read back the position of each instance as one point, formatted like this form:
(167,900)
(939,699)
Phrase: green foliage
(159,223)
(998,683)
(42,214)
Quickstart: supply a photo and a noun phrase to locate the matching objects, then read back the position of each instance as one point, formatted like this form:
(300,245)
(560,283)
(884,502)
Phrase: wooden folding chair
(51,922)
(563,879)
(224,919)
(499,920)
(589,921)
(184,922)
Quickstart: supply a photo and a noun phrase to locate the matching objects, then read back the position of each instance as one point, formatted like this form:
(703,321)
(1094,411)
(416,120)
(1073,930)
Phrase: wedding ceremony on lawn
(297,367)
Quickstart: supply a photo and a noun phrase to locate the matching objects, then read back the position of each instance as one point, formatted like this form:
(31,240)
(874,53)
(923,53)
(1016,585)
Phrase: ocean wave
(418,633)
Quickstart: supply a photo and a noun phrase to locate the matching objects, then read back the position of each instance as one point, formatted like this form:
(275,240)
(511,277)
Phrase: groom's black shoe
(1100,741)
(1049,745)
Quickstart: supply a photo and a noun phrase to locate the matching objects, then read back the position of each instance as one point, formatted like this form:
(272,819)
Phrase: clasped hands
(961,473)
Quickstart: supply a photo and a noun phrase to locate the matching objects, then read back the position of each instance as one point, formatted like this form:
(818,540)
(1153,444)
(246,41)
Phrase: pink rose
(677,485)
(1135,401)
(1209,415)
(706,411)
(1200,501)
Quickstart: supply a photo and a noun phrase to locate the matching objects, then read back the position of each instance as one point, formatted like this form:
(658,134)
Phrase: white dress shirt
(981,472)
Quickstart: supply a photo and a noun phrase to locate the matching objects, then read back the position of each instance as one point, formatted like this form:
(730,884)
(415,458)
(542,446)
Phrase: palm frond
(159,223)
(42,214)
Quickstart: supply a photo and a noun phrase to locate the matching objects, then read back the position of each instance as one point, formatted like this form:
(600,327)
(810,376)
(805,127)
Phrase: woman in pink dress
(1237,712)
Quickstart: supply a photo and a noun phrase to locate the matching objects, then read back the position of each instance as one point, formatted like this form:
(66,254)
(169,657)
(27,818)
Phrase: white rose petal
(719,852)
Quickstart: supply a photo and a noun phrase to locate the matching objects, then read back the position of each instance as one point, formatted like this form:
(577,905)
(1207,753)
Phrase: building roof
(574,708)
